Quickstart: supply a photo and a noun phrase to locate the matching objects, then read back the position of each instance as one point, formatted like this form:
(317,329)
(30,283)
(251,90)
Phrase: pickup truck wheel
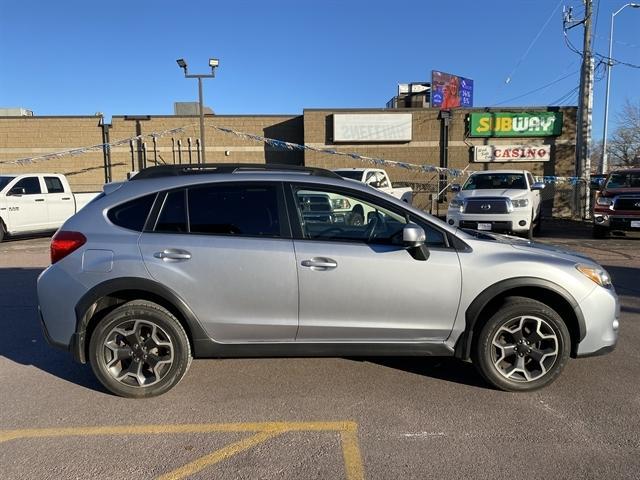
(2,232)
(523,346)
(139,350)
(600,232)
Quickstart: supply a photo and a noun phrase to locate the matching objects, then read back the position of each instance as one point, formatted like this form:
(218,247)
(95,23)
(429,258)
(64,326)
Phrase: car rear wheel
(523,346)
(139,350)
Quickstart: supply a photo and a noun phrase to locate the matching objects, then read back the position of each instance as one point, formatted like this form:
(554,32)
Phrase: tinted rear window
(234,210)
(173,216)
(132,214)
(54,185)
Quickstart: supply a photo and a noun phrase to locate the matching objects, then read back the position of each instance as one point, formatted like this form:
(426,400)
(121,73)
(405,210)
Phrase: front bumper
(601,310)
(616,222)
(508,222)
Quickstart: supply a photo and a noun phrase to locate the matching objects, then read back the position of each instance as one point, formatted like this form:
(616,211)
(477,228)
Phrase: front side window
(31,186)
(229,209)
(327,215)
(488,181)
(54,185)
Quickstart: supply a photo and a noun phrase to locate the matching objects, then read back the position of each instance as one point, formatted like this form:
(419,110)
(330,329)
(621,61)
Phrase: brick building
(418,142)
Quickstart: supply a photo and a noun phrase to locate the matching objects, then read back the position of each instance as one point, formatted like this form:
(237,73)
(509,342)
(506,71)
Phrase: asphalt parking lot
(326,418)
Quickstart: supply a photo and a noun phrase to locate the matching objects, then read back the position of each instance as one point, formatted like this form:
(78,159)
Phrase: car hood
(531,247)
(492,192)
(610,192)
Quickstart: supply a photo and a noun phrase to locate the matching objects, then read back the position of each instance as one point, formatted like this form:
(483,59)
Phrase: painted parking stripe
(263,431)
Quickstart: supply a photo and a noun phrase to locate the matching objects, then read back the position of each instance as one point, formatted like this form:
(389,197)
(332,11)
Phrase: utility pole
(583,126)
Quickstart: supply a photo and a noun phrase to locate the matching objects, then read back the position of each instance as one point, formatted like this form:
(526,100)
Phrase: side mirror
(17,191)
(598,183)
(414,238)
(538,186)
(413,235)
(456,187)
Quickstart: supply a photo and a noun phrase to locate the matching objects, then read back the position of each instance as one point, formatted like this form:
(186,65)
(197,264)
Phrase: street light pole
(213,63)
(604,163)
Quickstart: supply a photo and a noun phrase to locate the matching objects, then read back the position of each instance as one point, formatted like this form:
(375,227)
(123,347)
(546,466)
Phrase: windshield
(4,181)
(486,181)
(624,180)
(352,174)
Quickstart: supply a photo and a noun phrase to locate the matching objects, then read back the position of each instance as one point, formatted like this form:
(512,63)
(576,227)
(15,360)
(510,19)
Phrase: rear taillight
(63,243)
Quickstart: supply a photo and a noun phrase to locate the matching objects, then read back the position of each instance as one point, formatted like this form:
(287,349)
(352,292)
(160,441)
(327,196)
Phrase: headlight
(520,203)
(604,201)
(456,204)
(597,274)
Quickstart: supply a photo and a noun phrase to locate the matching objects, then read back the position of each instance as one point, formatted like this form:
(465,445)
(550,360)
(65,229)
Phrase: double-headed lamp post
(603,164)
(213,63)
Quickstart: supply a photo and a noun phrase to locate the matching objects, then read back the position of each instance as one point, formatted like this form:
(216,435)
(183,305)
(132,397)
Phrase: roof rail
(209,168)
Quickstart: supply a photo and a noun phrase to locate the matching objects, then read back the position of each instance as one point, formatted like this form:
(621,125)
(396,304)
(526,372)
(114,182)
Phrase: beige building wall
(22,137)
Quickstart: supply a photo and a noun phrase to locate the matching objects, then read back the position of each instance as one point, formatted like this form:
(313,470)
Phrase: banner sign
(503,124)
(450,91)
(372,127)
(512,153)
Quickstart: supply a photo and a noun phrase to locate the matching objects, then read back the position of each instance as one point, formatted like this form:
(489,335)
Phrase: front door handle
(320,263)
(172,254)
(39,199)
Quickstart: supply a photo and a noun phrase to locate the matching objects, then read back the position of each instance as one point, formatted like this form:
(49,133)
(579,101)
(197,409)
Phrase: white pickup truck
(377,178)
(497,200)
(37,203)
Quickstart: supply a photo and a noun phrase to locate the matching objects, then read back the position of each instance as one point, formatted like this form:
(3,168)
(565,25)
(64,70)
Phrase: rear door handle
(39,199)
(319,263)
(172,254)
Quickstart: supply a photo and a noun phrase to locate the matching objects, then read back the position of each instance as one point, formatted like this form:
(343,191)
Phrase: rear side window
(54,185)
(173,215)
(132,214)
(234,210)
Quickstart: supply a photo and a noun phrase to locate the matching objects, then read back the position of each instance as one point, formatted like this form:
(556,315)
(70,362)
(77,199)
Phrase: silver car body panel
(255,290)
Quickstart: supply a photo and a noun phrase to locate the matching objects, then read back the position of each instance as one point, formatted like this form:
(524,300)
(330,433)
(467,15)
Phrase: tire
(356,219)
(600,232)
(538,227)
(153,348)
(2,231)
(532,365)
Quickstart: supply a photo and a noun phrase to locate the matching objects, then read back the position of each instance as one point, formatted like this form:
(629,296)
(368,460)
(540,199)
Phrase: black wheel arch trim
(109,287)
(472,314)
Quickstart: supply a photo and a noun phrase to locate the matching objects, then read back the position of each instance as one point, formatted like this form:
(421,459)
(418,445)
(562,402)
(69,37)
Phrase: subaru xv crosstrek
(223,260)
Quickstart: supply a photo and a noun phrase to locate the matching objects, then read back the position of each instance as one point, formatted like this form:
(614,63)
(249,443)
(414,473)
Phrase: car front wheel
(523,346)
(139,350)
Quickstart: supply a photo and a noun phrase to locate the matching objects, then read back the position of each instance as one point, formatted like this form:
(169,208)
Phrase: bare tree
(624,144)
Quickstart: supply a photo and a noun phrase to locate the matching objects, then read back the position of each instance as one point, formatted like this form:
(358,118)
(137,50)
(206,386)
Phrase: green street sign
(503,124)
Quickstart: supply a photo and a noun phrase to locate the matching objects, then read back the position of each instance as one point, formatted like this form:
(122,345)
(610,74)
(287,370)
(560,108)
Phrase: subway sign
(508,124)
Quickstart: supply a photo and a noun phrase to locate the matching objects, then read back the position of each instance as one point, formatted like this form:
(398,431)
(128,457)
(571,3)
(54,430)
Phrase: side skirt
(209,348)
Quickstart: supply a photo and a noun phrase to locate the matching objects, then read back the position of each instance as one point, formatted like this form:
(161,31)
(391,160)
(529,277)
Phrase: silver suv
(225,260)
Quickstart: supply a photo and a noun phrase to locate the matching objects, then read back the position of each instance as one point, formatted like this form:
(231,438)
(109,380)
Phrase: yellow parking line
(219,455)
(263,431)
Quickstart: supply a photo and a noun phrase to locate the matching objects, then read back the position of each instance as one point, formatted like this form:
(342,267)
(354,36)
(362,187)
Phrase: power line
(536,89)
(535,39)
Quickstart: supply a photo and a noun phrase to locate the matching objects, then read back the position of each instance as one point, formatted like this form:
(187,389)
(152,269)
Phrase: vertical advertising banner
(450,91)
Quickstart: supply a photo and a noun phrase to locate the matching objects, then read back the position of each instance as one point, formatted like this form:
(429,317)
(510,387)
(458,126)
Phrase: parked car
(617,205)
(497,200)
(37,203)
(216,261)
(377,178)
